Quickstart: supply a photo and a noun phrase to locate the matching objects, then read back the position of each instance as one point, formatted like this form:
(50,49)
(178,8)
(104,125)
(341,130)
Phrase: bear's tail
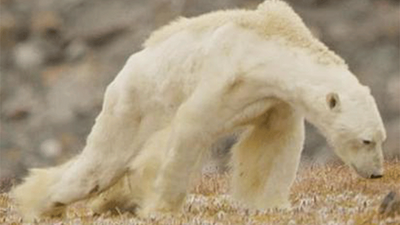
(31,195)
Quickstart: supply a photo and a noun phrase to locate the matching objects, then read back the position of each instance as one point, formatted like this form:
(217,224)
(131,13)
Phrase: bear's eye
(366,142)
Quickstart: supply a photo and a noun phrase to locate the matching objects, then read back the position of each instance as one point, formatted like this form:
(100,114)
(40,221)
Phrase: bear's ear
(333,101)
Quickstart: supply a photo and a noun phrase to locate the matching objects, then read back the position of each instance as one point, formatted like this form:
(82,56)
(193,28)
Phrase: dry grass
(321,195)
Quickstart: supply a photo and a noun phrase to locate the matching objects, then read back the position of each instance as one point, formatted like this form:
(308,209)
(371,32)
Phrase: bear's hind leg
(112,143)
(266,158)
(29,195)
(116,199)
(130,192)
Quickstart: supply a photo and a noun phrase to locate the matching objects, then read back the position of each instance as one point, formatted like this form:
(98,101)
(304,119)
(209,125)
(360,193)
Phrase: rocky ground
(57,57)
(329,194)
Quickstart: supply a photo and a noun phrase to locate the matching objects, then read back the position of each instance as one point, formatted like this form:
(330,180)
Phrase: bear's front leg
(196,125)
(187,143)
(266,159)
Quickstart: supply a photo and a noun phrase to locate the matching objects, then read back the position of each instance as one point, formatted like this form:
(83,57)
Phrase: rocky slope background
(56,58)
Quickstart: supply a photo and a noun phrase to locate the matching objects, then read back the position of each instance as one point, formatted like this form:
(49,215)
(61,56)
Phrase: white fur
(199,80)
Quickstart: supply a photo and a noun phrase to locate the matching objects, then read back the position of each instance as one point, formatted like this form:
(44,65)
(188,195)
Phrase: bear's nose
(375,176)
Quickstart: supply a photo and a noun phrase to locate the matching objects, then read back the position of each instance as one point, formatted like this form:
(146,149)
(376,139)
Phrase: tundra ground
(330,194)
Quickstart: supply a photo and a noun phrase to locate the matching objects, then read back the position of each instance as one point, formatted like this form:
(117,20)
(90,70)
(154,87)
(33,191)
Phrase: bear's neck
(303,82)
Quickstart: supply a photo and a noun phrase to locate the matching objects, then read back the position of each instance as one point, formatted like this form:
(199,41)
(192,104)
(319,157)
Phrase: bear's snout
(368,174)
(375,176)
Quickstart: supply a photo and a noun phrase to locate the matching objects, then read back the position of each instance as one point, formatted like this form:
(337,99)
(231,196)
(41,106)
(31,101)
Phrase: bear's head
(356,130)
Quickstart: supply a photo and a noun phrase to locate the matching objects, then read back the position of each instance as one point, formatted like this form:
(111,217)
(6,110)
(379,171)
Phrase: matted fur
(273,18)
(194,83)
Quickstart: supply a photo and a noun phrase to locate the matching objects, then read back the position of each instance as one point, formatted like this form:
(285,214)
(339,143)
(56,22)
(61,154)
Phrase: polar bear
(197,80)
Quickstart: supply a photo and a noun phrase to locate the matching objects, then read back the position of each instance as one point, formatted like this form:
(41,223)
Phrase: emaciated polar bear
(197,80)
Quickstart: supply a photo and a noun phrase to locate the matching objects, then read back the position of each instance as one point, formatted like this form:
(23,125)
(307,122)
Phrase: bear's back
(273,18)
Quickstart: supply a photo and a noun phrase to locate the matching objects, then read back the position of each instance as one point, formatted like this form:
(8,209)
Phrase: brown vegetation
(329,194)
(57,57)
